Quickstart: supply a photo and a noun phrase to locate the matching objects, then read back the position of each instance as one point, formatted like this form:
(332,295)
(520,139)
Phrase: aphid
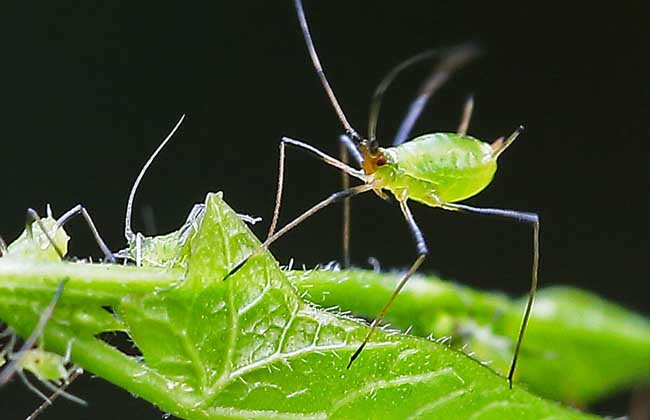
(49,242)
(49,368)
(438,169)
(43,240)
(161,250)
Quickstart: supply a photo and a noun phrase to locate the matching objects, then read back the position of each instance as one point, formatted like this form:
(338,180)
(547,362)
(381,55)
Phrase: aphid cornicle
(437,169)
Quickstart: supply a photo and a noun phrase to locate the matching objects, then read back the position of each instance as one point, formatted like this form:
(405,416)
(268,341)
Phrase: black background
(89,90)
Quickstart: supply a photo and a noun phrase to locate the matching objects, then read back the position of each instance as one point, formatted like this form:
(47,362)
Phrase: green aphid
(161,250)
(437,170)
(45,365)
(43,240)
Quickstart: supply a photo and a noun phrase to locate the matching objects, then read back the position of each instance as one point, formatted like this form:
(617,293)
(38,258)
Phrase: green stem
(87,283)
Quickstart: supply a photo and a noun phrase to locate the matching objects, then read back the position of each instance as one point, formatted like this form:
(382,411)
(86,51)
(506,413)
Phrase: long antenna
(128,231)
(321,74)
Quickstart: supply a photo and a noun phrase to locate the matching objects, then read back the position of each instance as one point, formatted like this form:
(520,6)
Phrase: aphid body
(433,168)
(42,241)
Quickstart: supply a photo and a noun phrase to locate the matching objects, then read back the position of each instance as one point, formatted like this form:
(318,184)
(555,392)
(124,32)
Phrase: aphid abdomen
(448,166)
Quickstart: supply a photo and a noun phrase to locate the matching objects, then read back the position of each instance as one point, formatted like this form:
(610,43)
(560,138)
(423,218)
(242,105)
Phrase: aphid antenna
(128,230)
(350,131)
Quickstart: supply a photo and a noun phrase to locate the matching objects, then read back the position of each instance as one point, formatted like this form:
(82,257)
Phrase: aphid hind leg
(524,217)
(422,253)
(322,156)
(79,209)
(467,116)
(32,216)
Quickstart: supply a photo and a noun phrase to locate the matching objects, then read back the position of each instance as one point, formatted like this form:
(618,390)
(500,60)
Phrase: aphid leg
(524,217)
(375,264)
(31,386)
(74,375)
(336,197)
(422,253)
(324,157)
(467,115)
(278,193)
(15,364)
(9,347)
(347,148)
(138,249)
(6,333)
(57,390)
(79,209)
(3,247)
(345,181)
(355,173)
(32,216)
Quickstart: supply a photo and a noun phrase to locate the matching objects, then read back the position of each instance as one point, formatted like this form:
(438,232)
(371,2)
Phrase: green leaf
(577,347)
(247,346)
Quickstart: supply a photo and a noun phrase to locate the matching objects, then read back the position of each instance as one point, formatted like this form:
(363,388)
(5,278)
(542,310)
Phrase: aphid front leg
(79,209)
(334,198)
(422,253)
(322,156)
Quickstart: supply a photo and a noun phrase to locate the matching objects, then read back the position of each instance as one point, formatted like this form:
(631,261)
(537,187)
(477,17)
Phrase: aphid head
(373,156)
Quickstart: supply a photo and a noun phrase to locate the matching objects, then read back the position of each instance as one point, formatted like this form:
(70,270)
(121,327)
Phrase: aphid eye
(381,160)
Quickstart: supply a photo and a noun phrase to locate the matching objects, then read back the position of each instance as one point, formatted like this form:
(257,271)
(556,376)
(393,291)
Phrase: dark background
(89,90)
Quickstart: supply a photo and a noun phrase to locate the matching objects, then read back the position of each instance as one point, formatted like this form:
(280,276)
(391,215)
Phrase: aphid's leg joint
(79,209)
